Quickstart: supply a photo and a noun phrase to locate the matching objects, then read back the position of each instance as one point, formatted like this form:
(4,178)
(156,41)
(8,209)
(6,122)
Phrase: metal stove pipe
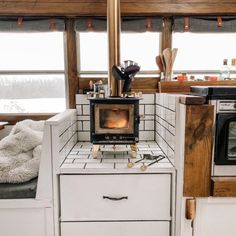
(113,27)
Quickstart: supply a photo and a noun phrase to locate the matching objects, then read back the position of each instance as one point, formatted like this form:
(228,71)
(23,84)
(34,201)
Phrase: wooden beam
(128,7)
(198,150)
(224,186)
(166,39)
(73,86)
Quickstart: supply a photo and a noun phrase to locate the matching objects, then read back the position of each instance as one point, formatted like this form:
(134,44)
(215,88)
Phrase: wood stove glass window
(232,140)
(114,118)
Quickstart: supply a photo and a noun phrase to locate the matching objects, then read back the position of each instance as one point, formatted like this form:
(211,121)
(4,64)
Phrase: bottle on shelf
(233,68)
(225,71)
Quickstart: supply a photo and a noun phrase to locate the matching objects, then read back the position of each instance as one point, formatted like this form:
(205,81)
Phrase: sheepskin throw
(20,152)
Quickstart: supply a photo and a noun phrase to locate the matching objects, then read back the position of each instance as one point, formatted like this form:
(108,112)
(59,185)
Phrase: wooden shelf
(184,87)
(224,186)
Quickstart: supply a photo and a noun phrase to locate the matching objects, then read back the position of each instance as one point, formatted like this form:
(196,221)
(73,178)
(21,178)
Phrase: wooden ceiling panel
(128,7)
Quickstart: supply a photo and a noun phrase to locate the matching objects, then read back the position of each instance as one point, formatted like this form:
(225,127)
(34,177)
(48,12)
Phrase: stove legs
(95,150)
(133,148)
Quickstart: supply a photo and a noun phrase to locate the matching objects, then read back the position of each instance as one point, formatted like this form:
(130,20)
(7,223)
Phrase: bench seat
(16,191)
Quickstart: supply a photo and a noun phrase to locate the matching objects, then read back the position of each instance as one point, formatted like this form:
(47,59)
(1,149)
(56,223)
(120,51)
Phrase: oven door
(225,139)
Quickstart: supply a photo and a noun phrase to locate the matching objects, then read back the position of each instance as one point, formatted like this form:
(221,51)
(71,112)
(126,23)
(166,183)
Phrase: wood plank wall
(128,7)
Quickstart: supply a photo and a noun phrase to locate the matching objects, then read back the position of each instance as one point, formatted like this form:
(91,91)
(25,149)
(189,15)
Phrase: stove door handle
(115,198)
(138,119)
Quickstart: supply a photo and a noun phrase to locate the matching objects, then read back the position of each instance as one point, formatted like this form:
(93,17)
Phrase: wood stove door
(114,118)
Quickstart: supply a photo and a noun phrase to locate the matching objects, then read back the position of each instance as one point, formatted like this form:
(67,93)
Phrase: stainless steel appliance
(224,148)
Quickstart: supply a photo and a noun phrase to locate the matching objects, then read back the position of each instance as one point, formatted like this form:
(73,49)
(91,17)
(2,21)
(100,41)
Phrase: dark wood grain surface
(198,150)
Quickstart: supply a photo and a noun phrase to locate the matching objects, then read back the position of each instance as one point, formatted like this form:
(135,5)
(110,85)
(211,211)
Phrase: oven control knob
(114,137)
(107,137)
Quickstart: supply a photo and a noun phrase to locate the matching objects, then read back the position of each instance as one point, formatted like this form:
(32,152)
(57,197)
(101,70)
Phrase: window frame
(12,118)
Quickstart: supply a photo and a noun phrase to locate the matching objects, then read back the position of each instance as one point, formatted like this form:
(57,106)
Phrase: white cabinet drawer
(90,197)
(115,229)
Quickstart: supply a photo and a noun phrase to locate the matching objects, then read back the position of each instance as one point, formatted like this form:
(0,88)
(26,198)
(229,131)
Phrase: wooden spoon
(163,62)
(159,63)
(167,56)
(173,56)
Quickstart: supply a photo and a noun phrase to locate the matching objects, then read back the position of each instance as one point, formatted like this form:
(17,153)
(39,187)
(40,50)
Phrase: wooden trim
(145,84)
(198,150)
(166,38)
(224,186)
(71,63)
(192,100)
(128,7)
(184,87)
(13,118)
(190,210)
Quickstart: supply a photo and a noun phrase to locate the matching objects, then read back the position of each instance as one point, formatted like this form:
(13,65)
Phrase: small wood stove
(114,120)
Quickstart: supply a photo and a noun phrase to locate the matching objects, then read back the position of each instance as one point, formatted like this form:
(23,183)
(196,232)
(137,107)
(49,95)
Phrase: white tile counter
(80,159)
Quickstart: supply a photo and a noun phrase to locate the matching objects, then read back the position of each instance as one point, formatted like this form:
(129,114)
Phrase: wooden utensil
(163,62)
(159,63)
(173,56)
(167,57)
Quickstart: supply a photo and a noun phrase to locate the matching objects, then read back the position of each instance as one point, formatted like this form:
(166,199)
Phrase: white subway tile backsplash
(148,99)
(83,136)
(79,109)
(79,125)
(86,125)
(81,99)
(83,117)
(149,117)
(141,109)
(146,135)
(149,125)
(141,125)
(149,109)
(86,110)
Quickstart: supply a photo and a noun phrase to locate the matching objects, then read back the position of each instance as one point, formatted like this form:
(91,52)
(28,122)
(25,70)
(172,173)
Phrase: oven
(224,146)
(225,133)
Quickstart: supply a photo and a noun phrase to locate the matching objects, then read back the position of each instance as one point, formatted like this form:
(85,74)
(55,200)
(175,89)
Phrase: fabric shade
(205,24)
(128,24)
(31,24)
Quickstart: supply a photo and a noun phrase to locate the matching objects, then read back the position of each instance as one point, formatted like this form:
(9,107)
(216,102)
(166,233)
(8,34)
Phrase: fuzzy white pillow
(20,152)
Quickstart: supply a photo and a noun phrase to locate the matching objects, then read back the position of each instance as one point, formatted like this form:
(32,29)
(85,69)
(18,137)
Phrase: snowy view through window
(32,76)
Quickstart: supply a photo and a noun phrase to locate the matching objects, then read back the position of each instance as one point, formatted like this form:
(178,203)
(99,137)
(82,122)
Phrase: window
(32,72)
(203,52)
(93,51)
(139,47)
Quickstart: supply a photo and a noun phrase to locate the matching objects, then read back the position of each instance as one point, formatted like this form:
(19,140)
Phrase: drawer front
(115,197)
(115,229)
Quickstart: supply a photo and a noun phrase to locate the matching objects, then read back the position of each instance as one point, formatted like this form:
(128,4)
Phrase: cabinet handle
(115,198)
